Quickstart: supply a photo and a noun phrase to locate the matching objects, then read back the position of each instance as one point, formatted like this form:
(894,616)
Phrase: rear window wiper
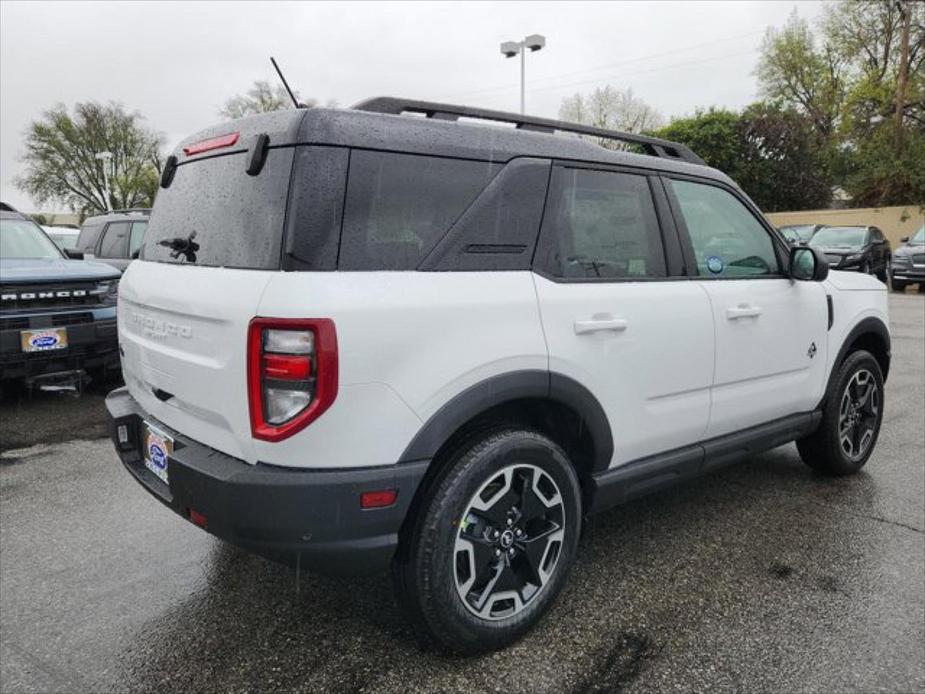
(182,246)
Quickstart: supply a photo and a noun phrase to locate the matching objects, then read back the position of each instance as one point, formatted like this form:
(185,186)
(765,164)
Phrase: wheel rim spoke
(858,413)
(508,545)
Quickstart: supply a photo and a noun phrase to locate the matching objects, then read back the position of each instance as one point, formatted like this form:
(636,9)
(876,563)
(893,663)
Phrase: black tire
(824,450)
(898,286)
(883,272)
(430,561)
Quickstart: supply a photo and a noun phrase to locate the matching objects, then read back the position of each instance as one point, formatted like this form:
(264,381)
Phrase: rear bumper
(92,343)
(310,516)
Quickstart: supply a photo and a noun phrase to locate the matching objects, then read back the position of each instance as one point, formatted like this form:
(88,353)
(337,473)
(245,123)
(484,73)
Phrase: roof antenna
(286,84)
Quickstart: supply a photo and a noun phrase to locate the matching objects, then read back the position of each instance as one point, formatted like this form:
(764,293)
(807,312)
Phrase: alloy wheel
(509,541)
(858,414)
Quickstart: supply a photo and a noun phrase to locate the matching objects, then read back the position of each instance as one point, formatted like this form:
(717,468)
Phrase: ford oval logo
(158,454)
(41,341)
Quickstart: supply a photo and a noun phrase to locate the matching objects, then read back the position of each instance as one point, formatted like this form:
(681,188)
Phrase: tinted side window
(115,240)
(727,239)
(399,205)
(137,237)
(89,235)
(602,224)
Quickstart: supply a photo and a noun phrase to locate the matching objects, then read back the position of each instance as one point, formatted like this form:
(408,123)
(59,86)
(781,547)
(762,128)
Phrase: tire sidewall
(434,564)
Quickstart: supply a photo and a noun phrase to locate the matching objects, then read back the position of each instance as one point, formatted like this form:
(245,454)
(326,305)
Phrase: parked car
(64,237)
(799,233)
(862,249)
(57,316)
(909,262)
(114,237)
(446,360)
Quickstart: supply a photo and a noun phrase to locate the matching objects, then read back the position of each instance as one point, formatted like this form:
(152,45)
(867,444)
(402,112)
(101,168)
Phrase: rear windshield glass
(237,219)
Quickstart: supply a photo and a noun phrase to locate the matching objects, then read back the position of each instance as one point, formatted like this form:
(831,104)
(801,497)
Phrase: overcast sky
(176,63)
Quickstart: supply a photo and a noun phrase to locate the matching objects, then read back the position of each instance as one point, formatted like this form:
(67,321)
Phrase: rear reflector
(210,144)
(197,518)
(378,499)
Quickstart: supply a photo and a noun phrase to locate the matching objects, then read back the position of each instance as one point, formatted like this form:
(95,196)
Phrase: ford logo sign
(158,454)
(43,341)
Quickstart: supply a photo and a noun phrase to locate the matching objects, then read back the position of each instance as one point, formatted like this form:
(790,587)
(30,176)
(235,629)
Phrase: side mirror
(808,264)
(74,254)
(136,253)
(904,239)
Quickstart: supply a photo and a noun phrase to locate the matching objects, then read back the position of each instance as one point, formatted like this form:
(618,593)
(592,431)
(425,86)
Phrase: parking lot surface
(761,577)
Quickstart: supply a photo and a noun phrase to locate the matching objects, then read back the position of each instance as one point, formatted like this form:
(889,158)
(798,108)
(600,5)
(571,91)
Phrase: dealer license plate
(157,447)
(43,340)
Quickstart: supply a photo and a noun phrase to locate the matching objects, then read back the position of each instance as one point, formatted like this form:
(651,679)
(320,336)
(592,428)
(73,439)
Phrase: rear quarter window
(398,206)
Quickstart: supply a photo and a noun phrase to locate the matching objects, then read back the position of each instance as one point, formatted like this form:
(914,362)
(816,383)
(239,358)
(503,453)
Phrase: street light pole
(509,49)
(105,158)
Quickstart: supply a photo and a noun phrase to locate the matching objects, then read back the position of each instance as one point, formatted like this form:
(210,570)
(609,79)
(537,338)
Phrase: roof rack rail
(653,146)
(126,210)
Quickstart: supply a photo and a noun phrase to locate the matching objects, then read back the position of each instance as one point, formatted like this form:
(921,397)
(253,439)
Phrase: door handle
(595,325)
(743,311)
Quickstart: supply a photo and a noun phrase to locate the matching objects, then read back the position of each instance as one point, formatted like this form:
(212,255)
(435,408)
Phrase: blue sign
(158,454)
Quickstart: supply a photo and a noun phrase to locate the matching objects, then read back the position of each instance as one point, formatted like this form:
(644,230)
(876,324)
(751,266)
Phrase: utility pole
(902,81)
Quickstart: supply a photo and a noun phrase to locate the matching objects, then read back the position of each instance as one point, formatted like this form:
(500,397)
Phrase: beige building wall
(895,222)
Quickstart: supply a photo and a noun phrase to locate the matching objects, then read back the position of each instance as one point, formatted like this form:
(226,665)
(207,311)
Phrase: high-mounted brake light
(210,144)
(291,374)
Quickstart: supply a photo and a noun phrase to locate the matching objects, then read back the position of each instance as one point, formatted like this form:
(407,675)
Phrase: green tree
(782,167)
(261,98)
(768,150)
(712,134)
(858,83)
(795,71)
(61,164)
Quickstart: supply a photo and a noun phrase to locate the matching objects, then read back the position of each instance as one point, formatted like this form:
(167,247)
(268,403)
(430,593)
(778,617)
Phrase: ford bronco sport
(393,336)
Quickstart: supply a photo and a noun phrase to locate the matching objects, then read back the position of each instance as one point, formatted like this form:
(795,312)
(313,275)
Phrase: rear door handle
(595,325)
(743,311)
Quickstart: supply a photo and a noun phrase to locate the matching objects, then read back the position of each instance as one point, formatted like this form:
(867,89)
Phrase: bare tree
(613,109)
(261,98)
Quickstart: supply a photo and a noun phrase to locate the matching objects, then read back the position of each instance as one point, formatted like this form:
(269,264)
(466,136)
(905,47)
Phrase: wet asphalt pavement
(761,577)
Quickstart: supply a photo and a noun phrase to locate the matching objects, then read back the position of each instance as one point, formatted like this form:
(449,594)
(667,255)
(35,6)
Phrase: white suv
(364,338)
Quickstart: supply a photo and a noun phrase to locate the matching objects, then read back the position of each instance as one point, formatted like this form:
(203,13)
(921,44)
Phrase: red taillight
(291,374)
(210,144)
(378,499)
(287,367)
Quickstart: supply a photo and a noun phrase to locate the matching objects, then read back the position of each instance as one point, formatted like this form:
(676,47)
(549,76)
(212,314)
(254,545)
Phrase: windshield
(919,235)
(64,241)
(20,238)
(799,233)
(839,237)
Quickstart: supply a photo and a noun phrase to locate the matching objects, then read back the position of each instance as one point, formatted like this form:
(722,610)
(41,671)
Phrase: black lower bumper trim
(289,515)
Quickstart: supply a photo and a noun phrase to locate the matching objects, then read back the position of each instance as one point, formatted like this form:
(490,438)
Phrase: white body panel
(408,343)
(663,358)
(765,365)
(651,368)
(183,330)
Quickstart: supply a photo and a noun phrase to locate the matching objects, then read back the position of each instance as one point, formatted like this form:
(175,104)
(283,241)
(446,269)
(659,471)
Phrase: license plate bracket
(156,449)
(43,340)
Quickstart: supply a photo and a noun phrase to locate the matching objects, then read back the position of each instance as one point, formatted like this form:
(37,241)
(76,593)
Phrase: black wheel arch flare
(517,385)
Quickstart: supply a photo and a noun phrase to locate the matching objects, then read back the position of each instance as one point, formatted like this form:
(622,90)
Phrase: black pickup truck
(57,315)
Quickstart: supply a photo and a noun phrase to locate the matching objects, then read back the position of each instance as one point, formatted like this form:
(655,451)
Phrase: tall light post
(105,157)
(509,49)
